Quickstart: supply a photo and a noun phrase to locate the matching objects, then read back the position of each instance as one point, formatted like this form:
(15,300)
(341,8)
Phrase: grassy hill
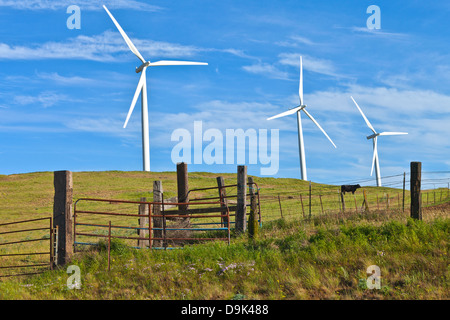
(325,257)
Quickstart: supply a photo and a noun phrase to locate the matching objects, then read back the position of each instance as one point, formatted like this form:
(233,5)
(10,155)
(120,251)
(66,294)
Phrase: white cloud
(295,42)
(46,99)
(108,46)
(266,69)
(378,33)
(110,126)
(103,47)
(321,66)
(62,80)
(83,4)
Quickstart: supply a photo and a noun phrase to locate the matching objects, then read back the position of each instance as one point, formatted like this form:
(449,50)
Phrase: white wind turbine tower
(301,107)
(142,89)
(374,136)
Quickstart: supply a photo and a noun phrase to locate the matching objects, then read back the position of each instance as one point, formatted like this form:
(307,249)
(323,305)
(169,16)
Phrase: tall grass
(290,260)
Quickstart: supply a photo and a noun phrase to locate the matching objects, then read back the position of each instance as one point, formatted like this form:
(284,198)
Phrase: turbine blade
(177,63)
(318,125)
(300,87)
(365,119)
(375,154)
(392,133)
(125,37)
(136,94)
(286,113)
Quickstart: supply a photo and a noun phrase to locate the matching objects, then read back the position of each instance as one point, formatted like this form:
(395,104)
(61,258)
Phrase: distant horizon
(394,184)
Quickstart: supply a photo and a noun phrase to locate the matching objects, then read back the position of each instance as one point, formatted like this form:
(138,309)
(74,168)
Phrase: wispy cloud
(103,125)
(295,42)
(377,33)
(46,99)
(83,4)
(267,70)
(107,46)
(321,66)
(312,64)
(63,80)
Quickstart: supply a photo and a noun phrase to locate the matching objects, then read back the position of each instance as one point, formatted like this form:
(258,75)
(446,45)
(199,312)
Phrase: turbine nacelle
(142,66)
(373,136)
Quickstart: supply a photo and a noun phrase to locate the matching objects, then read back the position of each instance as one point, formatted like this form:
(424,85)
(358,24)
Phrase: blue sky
(65,92)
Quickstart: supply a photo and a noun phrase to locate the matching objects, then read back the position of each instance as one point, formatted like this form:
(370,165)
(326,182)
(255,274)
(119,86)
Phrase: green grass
(325,257)
(291,260)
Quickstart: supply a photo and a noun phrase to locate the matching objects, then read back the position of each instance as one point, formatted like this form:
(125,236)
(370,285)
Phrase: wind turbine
(142,89)
(374,136)
(297,109)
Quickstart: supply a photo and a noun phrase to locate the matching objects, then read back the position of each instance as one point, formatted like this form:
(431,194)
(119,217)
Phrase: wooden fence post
(404,187)
(416,199)
(343,202)
(303,209)
(183,188)
(310,199)
(253,218)
(142,231)
(182,184)
(321,206)
(366,203)
(223,198)
(63,214)
(279,203)
(241,210)
(157,210)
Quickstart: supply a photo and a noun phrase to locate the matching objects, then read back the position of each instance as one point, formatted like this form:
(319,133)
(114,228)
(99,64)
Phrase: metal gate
(17,258)
(111,218)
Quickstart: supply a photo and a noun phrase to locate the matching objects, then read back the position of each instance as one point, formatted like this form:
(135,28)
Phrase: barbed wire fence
(318,200)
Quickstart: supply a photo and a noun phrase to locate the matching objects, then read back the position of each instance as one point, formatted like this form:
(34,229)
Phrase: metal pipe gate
(52,252)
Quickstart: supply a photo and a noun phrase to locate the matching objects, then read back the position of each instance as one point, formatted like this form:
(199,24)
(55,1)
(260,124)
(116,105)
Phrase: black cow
(350,188)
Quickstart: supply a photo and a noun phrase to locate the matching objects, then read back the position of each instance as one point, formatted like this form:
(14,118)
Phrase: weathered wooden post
(321,205)
(63,214)
(143,221)
(343,202)
(404,187)
(223,199)
(253,218)
(303,209)
(279,203)
(182,185)
(241,210)
(157,210)
(366,203)
(309,199)
(416,199)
